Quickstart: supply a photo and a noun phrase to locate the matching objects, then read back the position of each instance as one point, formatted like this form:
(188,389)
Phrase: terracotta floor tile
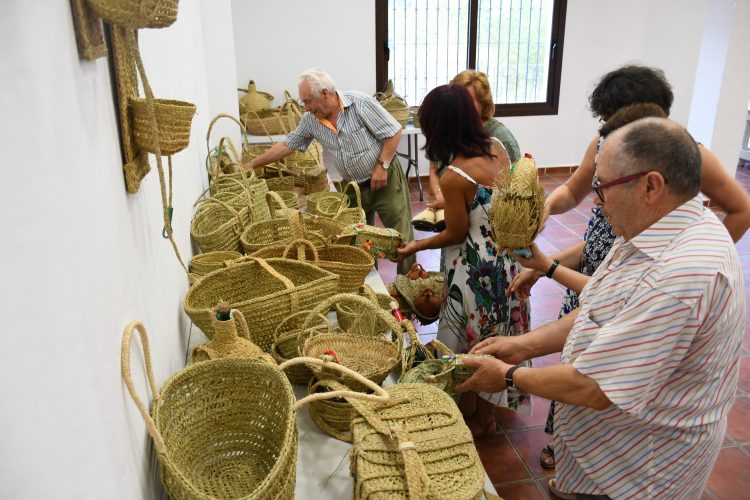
(739,420)
(730,478)
(529,443)
(512,420)
(525,490)
(500,460)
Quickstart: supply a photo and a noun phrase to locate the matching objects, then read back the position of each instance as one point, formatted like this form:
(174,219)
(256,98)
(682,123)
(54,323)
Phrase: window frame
(549,107)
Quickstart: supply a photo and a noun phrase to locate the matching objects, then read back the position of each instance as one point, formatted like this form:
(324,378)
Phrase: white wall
(81,257)
(285,37)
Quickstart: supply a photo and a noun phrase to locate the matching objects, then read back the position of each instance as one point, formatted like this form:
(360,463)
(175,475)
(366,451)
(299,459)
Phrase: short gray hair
(661,145)
(318,80)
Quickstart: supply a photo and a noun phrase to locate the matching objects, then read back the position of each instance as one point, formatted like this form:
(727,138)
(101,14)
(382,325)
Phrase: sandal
(552,483)
(547,457)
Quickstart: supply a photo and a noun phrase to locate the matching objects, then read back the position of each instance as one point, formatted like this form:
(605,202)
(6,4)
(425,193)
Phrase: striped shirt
(660,330)
(362,125)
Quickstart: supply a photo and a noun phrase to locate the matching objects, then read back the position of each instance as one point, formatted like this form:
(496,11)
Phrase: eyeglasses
(598,188)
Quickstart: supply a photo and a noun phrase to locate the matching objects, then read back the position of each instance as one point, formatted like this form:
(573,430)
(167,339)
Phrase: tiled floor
(511,457)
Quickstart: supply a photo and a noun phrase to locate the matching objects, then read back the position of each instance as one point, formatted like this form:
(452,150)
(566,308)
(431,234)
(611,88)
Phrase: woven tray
(265,291)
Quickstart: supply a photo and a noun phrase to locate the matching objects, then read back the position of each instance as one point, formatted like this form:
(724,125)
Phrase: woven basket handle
(277,334)
(275,204)
(245,142)
(300,244)
(380,395)
(214,201)
(260,120)
(373,308)
(293,296)
(128,378)
(232,150)
(357,192)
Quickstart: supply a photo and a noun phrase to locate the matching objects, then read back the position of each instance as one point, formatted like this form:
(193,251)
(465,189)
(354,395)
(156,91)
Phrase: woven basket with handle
(217,226)
(352,317)
(265,291)
(352,264)
(319,230)
(286,344)
(205,263)
(274,121)
(327,203)
(351,215)
(213,440)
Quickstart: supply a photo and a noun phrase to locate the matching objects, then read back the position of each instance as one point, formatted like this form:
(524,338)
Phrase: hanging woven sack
(517,206)
(137,14)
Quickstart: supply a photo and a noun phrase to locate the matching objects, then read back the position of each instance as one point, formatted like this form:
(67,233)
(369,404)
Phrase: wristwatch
(386,164)
(509,376)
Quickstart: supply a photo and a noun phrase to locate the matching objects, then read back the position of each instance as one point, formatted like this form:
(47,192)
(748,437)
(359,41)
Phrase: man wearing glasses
(650,360)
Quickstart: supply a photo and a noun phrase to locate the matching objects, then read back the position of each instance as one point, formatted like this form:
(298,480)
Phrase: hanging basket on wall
(137,14)
(173,120)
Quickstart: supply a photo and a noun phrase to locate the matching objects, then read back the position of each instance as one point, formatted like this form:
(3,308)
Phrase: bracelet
(509,376)
(552,268)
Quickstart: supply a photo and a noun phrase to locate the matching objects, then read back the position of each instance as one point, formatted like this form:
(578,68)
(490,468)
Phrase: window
(421,44)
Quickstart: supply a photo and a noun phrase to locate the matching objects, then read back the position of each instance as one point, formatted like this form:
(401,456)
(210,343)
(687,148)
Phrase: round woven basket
(217,226)
(332,416)
(205,263)
(212,440)
(352,317)
(352,215)
(173,119)
(372,356)
(326,203)
(352,264)
(265,291)
(286,344)
(136,14)
(274,121)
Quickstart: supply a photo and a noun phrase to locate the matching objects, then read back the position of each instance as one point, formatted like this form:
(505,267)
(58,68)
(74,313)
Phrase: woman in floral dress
(474,302)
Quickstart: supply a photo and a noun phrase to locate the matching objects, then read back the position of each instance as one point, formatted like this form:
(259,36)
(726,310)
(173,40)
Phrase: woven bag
(352,317)
(350,263)
(517,206)
(173,119)
(137,14)
(205,263)
(213,440)
(352,215)
(415,446)
(274,121)
(319,230)
(286,344)
(372,356)
(394,104)
(217,226)
(265,291)
(381,242)
(290,199)
(250,193)
(226,343)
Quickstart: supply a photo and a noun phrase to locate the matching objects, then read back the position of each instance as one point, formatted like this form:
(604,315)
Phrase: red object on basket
(332,356)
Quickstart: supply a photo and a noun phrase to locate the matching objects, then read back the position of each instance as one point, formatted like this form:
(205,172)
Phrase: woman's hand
(522,283)
(538,260)
(406,249)
(438,202)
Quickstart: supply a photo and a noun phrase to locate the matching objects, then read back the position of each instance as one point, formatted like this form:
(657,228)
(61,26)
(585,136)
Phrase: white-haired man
(362,137)
(650,361)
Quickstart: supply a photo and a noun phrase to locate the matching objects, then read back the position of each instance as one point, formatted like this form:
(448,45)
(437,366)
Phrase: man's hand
(247,166)
(506,349)
(522,283)
(489,375)
(379,178)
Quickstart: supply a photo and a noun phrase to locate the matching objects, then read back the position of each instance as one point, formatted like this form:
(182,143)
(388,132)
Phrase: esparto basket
(286,343)
(333,416)
(217,226)
(204,263)
(137,14)
(351,215)
(249,151)
(253,99)
(274,121)
(265,291)
(381,242)
(352,317)
(226,343)
(319,230)
(212,440)
(173,120)
(372,356)
(352,264)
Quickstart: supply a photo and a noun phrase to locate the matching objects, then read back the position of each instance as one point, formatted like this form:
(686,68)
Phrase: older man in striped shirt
(362,137)
(650,361)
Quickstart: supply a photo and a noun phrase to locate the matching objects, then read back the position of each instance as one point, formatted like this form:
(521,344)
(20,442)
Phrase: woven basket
(353,317)
(217,226)
(277,178)
(350,263)
(319,230)
(372,356)
(265,292)
(517,206)
(381,242)
(137,14)
(290,199)
(254,100)
(249,151)
(213,440)
(415,446)
(332,416)
(286,344)
(327,203)
(394,104)
(173,119)
(205,263)
(223,159)
(274,121)
(227,344)
(352,215)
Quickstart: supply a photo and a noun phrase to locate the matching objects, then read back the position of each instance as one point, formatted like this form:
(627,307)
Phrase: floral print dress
(474,302)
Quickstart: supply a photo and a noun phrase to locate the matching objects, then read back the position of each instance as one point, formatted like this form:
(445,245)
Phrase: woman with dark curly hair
(628,93)
(476,274)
